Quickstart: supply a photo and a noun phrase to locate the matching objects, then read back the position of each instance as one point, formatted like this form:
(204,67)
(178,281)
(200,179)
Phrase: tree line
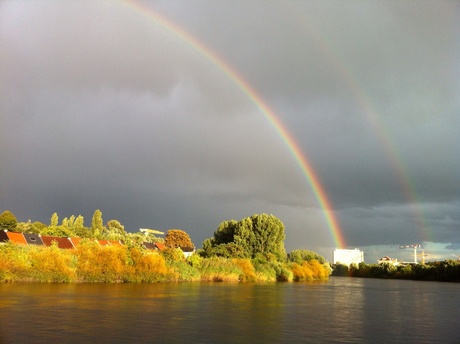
(446,271)
(251,249)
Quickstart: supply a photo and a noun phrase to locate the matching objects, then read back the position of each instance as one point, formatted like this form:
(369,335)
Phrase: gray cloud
(104,108)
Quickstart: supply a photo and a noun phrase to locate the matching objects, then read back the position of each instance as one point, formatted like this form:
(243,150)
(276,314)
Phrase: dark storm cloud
(104,108)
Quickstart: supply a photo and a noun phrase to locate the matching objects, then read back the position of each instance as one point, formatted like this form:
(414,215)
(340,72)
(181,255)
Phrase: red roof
(114,243)
(160,246)
(16,238)
(104,242)
(76,241)
(61,242)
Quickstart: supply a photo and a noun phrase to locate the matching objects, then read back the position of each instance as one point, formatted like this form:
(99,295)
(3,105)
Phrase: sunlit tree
(176,238)
(257,235)
(299,256)
(97,224)
(8,221)
(54,221)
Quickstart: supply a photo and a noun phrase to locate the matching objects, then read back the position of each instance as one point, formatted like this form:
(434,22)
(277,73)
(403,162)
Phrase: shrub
(146,267)
(101,264)
(248,273)
(217,269)
(14,262)
(51,264)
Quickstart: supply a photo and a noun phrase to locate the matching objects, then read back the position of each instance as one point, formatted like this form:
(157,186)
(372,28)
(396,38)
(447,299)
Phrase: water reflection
(342,310)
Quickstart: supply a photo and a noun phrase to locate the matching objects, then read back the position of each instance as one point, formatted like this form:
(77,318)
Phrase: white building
(348,257)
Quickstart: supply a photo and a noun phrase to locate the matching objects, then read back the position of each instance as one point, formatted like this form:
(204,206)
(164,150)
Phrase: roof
(33,239)
(114,243)
(76,241)
(61,242)
(160,246)
(16,238)
(104,242)
(3,236)
(150,245)
(187,249)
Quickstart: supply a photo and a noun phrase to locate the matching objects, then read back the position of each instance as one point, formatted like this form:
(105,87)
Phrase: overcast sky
(104,107)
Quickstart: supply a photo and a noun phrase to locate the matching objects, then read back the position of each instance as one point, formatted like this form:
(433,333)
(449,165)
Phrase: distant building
(389,261)
(348,257)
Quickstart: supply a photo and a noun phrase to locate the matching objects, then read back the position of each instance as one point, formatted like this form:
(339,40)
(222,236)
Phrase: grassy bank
(91,263)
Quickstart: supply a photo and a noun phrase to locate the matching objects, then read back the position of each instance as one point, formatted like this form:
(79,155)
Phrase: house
(153,246)
(61,242)
(188,251)
(17,238)
(388,260)
(33,239)
(76,241)
(3,236)
(103,242)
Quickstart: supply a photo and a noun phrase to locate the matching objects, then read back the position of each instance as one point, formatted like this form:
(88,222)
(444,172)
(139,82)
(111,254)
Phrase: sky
(158,114)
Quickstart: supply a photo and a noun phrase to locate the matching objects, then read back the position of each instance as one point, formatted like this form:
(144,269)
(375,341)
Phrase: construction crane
(423,255)
(150,231)
(414,246)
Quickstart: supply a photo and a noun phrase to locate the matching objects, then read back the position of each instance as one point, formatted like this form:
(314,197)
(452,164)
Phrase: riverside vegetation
(445,271)
(248,250)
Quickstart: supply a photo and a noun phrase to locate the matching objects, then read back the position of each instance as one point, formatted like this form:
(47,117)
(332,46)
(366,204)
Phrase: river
(341,310)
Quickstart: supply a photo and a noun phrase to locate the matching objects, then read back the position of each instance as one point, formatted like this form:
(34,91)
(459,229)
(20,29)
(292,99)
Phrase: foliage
(173,254)
(8,221)
(309,271)
(216,269)
(97,224)
(101,264)
(51,264)
(146,266)
(299,256)
(54,221)
(258,234)
(228,250)
(448,271)
(178,238)
(248,273)
(14,262)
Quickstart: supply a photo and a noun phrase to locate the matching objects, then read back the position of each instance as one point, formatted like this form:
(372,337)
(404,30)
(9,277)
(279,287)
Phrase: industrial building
(348,257)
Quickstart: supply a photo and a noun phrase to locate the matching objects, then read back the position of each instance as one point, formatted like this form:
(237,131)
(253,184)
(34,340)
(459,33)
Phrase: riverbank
(91,263)
(443,271)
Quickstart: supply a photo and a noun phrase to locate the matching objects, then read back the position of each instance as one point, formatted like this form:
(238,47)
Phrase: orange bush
(51,264)
(248,272)
(147,266)
(101,264)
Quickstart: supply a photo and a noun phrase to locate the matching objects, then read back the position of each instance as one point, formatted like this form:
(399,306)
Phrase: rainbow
(372,117)
(270,116)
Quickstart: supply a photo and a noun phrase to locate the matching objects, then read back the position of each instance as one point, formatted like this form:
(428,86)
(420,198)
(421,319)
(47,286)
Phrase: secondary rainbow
(372,117)
(275,122)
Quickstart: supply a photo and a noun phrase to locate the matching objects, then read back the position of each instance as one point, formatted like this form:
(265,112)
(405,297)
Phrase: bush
(217,269)
(14,262)
(51,264)
(248,273)
(146,266)
(101,264)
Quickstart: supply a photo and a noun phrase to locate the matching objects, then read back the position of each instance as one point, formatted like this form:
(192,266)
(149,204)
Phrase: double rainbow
(270,116)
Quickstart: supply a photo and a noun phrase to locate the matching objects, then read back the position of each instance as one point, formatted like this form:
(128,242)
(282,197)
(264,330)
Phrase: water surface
(341,310)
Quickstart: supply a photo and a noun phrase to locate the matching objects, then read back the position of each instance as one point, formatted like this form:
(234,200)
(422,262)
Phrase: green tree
(176,238)
(299,256)
(97,224)
(8,221)
(258,235)
(54,221)
(115,230)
